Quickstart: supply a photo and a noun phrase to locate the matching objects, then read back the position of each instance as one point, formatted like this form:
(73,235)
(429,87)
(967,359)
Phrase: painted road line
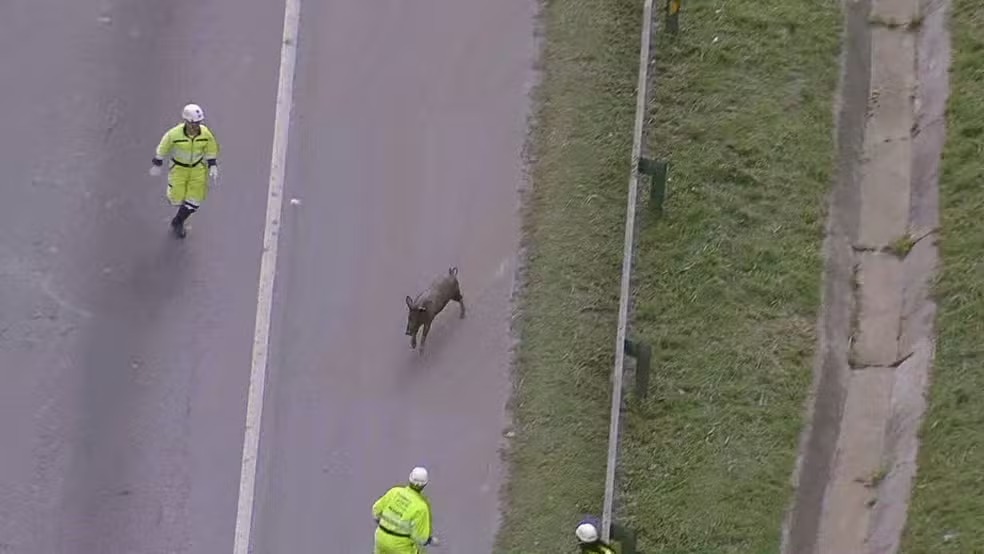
(268,271)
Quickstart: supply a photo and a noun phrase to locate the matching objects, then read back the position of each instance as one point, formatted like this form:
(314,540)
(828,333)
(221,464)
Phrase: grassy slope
(949,497)
(581,145)
(729,283)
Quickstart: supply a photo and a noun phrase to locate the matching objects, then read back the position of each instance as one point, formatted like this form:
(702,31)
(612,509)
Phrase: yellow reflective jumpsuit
(404,517)
(597,549)
(187,180)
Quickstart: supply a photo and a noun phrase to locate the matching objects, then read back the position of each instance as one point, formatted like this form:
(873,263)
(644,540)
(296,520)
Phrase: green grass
(947,510)
(581,146)
(728,284)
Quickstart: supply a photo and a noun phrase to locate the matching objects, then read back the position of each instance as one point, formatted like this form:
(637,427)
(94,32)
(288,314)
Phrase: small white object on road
(295,202)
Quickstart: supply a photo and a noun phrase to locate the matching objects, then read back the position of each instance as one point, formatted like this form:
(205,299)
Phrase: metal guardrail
(642,95)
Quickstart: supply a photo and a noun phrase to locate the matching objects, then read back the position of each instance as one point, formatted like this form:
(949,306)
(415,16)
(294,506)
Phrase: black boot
(177,224)
(178,228)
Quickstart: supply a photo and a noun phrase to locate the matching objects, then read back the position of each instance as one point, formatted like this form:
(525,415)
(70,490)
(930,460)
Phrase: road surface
(125,354)
(406,158)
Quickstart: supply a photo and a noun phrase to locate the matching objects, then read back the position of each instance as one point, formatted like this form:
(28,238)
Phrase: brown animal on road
(429,303)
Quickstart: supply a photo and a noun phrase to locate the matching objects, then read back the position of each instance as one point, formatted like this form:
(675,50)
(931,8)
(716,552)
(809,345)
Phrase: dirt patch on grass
(876,345)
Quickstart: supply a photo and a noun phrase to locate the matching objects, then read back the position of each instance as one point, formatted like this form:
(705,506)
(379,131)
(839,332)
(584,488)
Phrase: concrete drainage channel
(876,342)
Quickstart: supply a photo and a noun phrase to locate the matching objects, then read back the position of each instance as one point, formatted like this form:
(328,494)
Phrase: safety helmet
(193,113)
(418,476)
(586,533)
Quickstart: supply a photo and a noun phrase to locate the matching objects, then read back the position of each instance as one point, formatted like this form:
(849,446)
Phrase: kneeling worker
(403,518)
(590,542)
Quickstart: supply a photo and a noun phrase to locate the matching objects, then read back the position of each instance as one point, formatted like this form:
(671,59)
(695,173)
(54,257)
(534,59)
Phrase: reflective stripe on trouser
(392,544)
(188,186)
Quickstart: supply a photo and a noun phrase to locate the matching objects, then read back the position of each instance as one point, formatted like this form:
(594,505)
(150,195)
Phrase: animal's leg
(423,336)
(461,303)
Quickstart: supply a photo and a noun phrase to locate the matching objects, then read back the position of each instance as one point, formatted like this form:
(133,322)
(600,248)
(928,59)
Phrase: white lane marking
(268,271)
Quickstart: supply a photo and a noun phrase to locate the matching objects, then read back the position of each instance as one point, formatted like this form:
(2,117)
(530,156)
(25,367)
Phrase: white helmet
(586,533)
(193,113)
(418,476)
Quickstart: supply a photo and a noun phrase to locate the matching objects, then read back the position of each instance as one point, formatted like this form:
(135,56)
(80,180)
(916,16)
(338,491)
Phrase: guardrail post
(642,353)
(626,539)
(673,16)
(657,170)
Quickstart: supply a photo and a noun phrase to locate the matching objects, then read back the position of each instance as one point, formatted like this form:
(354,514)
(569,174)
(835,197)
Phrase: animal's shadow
(433,364)
(442,331)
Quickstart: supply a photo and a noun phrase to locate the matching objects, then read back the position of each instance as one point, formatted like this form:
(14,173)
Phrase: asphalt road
(125,354)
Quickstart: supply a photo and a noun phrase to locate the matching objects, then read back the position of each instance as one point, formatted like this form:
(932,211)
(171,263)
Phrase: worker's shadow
(161,272)
(131,307)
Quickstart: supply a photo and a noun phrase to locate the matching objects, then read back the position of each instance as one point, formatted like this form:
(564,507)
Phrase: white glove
(155,171)
(434,541)
(213,172)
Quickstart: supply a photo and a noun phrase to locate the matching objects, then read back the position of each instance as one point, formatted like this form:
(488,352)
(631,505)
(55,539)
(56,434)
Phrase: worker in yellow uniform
(194,154)
(590,542)
(403,518)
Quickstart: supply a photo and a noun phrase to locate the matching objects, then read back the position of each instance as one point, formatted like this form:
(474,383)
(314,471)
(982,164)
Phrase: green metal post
(658,189)
(630,348)
(657,169)
(625,537)
(642,353)
(643,369)
(673,16)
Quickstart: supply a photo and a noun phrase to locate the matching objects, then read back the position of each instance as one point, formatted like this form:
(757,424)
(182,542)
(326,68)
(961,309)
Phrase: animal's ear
(409,302)
(453,271)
